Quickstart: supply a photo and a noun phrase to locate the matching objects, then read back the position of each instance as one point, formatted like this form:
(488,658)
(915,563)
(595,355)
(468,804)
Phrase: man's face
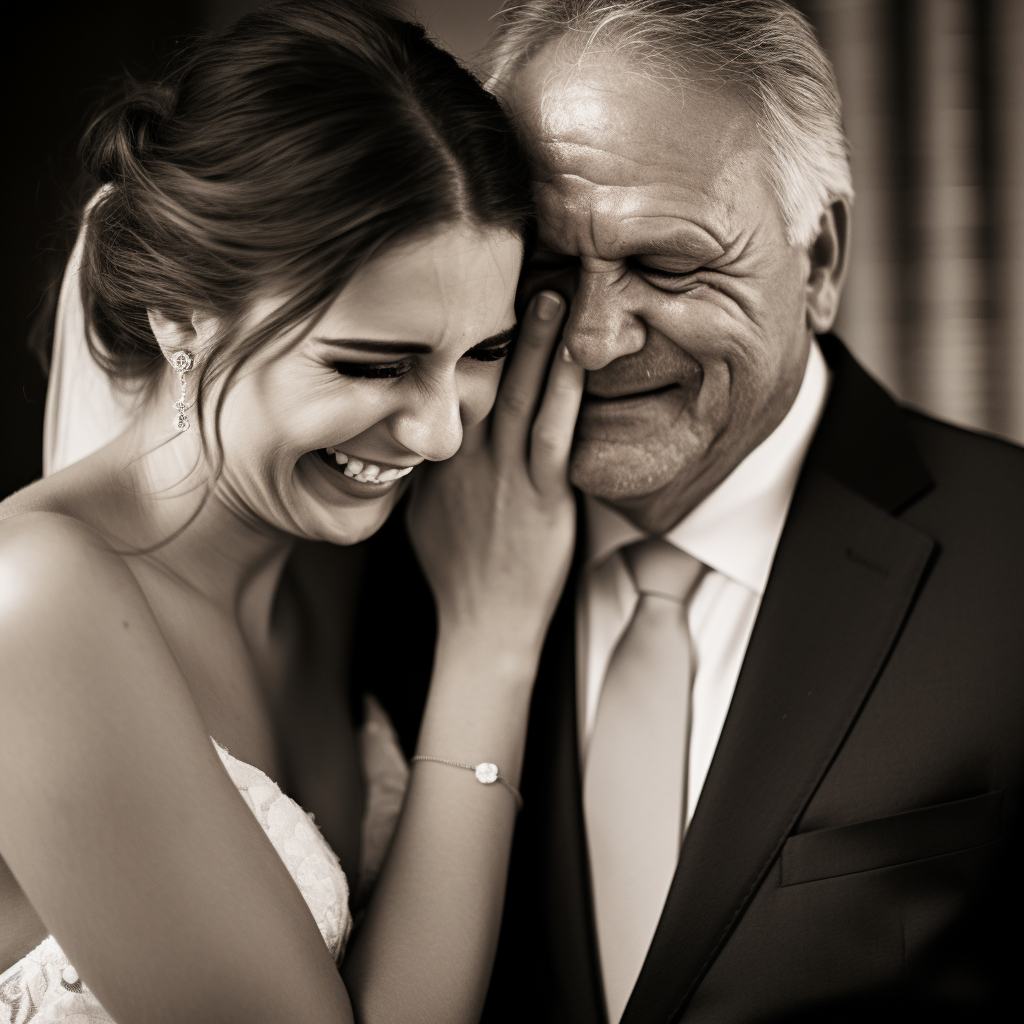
(688,304)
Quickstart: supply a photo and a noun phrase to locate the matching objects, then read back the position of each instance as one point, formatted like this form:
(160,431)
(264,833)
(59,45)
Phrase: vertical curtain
(933,108)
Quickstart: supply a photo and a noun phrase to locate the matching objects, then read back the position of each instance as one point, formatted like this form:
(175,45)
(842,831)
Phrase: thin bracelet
(485,772)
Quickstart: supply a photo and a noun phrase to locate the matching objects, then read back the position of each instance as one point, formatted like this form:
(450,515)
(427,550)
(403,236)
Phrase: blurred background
(933,101)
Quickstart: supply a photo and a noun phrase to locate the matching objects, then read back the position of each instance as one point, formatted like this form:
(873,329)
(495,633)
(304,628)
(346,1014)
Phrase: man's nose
(431,424)
(600,327)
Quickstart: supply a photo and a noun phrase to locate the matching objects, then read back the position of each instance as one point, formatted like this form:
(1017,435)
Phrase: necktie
(634,785)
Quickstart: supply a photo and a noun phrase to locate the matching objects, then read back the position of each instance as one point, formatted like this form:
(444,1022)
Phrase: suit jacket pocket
(883,842)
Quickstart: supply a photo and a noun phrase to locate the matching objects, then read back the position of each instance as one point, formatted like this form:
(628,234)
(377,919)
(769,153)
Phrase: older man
(777,741)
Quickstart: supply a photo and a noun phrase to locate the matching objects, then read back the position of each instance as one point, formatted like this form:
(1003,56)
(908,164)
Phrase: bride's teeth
(367,472)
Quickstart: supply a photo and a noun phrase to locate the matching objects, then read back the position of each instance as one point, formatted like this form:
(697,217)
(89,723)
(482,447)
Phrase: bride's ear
(172,336)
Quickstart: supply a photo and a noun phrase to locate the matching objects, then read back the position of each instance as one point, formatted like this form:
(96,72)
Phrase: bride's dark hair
(282,154)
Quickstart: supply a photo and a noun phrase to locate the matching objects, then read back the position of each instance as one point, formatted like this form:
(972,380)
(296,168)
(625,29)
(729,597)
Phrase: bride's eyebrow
(378,347)
(389,348)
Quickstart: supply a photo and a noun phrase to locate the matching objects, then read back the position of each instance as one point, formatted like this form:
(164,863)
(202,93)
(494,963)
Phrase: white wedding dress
(44,988)
(83,413)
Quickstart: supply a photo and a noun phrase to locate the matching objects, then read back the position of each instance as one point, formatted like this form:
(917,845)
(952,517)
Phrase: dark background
(933,94)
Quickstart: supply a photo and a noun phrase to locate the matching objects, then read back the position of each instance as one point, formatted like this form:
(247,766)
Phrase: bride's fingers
(523,379)
(551,436)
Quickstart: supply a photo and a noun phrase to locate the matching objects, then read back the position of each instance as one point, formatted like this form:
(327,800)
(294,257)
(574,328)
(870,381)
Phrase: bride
(301,265)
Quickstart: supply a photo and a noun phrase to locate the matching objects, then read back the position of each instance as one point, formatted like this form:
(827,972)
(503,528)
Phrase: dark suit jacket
(854,847)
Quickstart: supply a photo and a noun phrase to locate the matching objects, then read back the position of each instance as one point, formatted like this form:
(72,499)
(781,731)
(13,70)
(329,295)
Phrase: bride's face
(320,438)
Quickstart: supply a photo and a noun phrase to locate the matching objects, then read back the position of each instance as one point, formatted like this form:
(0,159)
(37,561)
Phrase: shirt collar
(736,528)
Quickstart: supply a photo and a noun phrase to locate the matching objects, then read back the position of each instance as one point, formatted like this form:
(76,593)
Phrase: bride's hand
(494,526)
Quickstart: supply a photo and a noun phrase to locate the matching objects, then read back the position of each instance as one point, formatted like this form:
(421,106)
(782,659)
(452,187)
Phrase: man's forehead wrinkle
(569,148)
(638,155)
(671,196)
(582,165)
(677,235)
(591,120)
(629,99)
(670,208)
(584,229)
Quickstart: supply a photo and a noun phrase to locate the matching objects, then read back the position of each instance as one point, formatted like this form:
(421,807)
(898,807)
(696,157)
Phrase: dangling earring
(182,362)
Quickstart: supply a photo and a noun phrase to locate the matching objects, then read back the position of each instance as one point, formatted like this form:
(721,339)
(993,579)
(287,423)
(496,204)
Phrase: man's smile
(613,395)
(642,392)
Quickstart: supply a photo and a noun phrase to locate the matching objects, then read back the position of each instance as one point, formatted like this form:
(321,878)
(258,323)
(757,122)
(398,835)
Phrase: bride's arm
(494,530)
(117,819)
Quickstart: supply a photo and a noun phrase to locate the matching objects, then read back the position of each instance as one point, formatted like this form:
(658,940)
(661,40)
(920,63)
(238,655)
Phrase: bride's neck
(182,516)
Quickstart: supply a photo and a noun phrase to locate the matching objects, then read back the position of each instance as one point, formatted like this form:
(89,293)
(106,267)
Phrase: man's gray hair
(765,47)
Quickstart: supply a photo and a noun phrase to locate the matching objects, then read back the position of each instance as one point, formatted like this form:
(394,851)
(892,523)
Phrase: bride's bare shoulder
(58,574)
(64,493)
(35,497)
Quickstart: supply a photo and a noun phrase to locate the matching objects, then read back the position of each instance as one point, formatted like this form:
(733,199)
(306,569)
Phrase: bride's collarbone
(254,688)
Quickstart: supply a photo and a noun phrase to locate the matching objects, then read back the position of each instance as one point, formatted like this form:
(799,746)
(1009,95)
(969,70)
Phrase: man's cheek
(705,323)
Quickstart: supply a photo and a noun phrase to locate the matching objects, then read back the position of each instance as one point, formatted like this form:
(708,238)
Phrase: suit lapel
(565,887)
(843,580)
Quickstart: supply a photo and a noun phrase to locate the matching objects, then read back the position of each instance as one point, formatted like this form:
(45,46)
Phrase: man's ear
(829,254)
(171,335)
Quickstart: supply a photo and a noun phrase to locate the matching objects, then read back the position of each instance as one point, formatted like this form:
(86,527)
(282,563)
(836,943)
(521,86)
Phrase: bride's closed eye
(494,348)
(374,370)
(490,350)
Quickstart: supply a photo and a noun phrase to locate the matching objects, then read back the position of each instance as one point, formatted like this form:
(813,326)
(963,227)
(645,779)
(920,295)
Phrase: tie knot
(659,567)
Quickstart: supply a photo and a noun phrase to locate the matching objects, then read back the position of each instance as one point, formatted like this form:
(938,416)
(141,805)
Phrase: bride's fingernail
(565,354)
(548,305)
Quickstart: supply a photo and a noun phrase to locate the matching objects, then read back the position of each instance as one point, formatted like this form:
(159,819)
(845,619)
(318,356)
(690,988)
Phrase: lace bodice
(44,988)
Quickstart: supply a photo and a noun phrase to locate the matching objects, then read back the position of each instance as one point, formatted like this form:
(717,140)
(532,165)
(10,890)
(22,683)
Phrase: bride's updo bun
(280,156)
(119,138)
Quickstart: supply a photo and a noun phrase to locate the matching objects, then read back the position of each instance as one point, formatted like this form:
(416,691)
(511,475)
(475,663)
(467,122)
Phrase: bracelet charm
(486,772)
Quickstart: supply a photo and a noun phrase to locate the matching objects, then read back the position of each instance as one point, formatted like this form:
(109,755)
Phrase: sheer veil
(84,410)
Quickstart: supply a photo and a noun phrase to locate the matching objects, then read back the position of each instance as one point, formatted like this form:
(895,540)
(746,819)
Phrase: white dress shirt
(734,531)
